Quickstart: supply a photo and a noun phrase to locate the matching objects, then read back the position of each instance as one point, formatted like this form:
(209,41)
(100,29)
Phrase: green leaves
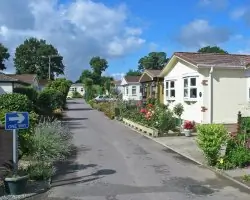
(132,72)
(210,139)
(98,65)
(212,49)
(33,57)
(4,55)
(154,60)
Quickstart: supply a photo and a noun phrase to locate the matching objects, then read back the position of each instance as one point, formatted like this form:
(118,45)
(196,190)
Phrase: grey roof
(6,78)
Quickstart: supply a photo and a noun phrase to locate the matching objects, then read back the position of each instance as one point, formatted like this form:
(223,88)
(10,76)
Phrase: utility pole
(49,57)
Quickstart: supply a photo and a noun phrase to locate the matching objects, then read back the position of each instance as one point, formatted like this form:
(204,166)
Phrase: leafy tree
(89,89)
(4,55)
(212,49)
(132,72)
(33,57)
(154,60)
(85,74)
(98,65)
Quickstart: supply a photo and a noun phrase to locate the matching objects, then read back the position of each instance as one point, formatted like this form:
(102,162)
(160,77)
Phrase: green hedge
(30,92)
(15,102)
(49,99)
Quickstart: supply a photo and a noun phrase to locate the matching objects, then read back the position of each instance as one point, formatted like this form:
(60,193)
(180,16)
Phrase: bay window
(190,88)
(170,89)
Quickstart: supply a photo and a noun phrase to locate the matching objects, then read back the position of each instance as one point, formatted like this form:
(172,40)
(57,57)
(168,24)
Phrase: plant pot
(187,132)
(16,185)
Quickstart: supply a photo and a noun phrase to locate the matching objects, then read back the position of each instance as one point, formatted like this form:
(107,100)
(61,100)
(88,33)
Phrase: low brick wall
(5,146)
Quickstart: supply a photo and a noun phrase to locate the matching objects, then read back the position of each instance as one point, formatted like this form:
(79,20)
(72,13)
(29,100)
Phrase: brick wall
(5,146)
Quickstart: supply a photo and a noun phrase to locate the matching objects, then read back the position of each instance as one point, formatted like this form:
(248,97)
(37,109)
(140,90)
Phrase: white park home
(77,87)
(211,87)
(131,88)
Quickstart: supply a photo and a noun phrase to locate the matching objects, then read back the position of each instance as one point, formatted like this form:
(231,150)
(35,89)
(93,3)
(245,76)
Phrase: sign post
(15,121)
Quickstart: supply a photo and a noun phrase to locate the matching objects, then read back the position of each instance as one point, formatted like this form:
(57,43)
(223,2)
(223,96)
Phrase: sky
(124,31)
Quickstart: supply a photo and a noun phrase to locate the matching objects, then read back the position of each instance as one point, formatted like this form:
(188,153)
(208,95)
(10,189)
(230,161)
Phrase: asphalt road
(113,162)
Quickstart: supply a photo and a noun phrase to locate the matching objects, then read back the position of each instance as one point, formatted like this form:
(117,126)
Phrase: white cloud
(200,33)
(238,13)
(79,29)
(215,4)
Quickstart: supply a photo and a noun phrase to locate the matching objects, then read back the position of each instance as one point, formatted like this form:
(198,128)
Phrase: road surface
(113,162)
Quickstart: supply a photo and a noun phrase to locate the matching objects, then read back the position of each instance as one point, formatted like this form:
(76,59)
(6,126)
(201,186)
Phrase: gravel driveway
(113,162)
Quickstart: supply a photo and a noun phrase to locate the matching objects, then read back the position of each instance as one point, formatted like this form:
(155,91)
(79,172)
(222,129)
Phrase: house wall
(77,88)
(6,88)
(192,110)
(160,91)
(128,96)
(230,95)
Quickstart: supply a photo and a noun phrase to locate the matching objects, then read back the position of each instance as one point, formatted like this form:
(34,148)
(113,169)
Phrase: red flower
(143,110)
(150,105)
(138,103)
(188,125)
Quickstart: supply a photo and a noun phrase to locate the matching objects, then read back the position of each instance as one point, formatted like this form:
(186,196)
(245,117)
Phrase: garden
(46,141)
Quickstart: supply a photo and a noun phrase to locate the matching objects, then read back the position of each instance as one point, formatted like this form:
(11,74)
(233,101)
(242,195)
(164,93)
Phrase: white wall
(128,96)
(230,95)
(192,109)
(6,88)
(77,88)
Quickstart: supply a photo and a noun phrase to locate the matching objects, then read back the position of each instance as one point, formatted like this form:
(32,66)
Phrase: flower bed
(150,131)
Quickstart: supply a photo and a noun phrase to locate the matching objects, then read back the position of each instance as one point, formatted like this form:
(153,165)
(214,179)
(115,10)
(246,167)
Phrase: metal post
(15,151)
(49,66)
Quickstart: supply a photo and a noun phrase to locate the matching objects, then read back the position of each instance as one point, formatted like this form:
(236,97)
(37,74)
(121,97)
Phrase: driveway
(112,162)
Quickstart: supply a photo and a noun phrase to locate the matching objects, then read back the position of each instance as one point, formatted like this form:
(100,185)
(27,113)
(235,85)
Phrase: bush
(15,102)
(51,142)
(210,139)
(49,100)
(30,92)
(76,95)
(40,171)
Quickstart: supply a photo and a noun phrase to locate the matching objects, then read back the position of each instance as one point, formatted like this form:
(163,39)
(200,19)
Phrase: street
(112,162)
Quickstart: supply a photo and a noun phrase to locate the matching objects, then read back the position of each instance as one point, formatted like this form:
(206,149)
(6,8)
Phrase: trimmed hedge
(15,102)
(30,92)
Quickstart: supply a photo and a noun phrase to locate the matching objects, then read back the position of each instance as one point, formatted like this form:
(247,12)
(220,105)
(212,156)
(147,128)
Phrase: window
(170,89)
(81,89)
(127,90)
(134,90)
(190,87)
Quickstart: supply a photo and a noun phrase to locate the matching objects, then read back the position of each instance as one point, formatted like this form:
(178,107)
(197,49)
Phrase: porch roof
(149,75)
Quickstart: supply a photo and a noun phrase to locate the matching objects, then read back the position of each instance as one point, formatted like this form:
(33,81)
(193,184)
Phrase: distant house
(211,87)
(42,83)
(77,87)
(117,86)
(131,88)
(9,82)
(30,79)
(152,84)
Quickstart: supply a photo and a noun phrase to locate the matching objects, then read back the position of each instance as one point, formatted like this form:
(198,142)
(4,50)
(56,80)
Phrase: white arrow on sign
(20,118)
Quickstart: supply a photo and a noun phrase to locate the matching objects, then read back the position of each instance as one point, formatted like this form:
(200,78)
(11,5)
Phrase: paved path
(115,163)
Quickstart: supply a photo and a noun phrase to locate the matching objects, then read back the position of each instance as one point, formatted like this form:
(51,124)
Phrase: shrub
(15,102)
(178,111)
(210,139)
(51,142)
(49,100)
(76,95)
(30,92)
(40,171)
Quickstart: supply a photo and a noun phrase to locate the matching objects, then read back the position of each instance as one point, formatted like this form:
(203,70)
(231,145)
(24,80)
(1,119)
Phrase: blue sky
(124,31)
(163,22)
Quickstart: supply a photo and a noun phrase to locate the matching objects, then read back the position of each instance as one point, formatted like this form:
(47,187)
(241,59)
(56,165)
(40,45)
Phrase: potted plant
(178,111)
(15,183)
(188,127)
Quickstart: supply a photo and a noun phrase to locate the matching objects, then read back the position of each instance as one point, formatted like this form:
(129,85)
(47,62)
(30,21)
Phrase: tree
(33,57)
(133,73)
(154,60)
(85,74)
(98,65)
(212,49)
(4,55)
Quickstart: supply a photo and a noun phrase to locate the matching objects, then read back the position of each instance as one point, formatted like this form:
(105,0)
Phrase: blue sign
(16,120)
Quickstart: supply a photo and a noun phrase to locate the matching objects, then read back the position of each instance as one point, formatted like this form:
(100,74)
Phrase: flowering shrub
(151,115)
(189,125)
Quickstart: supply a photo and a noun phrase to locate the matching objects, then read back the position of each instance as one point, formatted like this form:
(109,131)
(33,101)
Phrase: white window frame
(168,89)
(127,91)
(134,90)
(189,87)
